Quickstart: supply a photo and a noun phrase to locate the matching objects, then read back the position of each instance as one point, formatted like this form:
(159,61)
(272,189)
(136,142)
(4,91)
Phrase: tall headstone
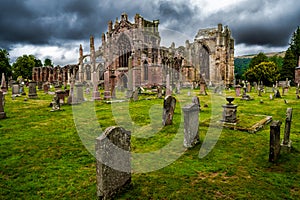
(286,143)
(96,93)
(274,141)
(32,90)
(15,89)
(3,84)
(2,100)
(248,87)
(191,125)
(159,92)
(168,86)
(237,90)
(78,93)
(168,111)
(113,162)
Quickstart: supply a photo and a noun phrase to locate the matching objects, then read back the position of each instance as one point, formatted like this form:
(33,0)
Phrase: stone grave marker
(135,95)
(191,125)
(159,92)
(55,104)
(32,90)
(286,143)
(196,101)
(2,102)
(61,96)
(3,84)
(274,141)
(168,110)
(15,90)
(78,93)
(237,90)
(113,164)
(229,111)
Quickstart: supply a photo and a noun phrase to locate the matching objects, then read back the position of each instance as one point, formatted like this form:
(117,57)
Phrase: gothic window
(204,61)
(124,49)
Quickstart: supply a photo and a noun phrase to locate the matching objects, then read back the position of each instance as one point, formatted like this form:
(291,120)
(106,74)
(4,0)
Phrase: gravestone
(248,87)
(61,96)
(191,125)
(168,111)
(55,104)
(168,86)
(78,93)
(135,95)
(277,94)
(159,92)
(15,90)
(203,89)
(229,111)
(286,143)
(3,84)
(46,87)
(2,102)
(113,164)
(195,100)
(237,90)
(32,90)
(274,141)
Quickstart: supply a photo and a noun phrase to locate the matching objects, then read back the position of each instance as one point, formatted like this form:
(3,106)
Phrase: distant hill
(281,54)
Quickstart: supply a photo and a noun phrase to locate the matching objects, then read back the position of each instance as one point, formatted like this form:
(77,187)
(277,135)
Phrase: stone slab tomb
(113,162)
(168,110)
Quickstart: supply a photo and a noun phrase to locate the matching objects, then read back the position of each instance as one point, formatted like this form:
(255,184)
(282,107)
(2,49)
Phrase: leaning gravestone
(168,111)
(286,142)
(32,90)
(191,125)
(113,162)
(2,100)
(274,141)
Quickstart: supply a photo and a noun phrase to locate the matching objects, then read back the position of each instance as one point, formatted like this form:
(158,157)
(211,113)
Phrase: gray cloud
(40,22)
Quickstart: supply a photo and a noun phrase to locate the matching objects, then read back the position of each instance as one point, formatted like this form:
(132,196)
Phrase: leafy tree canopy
(267,72)
(48,62)
(5,67)
(261,57)
(23,66)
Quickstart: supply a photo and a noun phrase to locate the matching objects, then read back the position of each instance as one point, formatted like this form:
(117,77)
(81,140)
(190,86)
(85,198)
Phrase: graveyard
(46,155)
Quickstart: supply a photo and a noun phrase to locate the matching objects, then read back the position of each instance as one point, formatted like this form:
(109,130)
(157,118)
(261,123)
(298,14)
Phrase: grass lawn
(49,155)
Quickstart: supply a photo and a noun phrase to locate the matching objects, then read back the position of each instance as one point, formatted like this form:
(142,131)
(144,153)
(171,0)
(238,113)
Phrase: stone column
(274,141)
(32,90)
(2,102)
(168,87)
(191,125)
(130,78)
(113,165)
(286,143)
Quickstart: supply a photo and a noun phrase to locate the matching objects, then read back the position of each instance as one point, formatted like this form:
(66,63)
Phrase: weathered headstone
(248,87)
(32,90)
(15,90)
(135,95)
(61,96)
(286,143)
(168,86)
(2,102)
(196,101)
(159,92)
(113,162)
(237,90)
(55,104)
(46,87)
(78,93)
(274,141)
(3,84)
(191,125)
(168,111)
(203,89)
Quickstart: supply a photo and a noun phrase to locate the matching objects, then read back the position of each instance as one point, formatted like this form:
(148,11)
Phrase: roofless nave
(131,55)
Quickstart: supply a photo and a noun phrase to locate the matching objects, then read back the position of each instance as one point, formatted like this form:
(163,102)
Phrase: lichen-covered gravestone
(191,125)
(113,162)
(2,100)
(32,90)
(286,142)
(274,141)
(168,111)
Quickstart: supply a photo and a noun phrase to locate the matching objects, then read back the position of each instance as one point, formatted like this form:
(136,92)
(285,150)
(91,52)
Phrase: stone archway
(204,61)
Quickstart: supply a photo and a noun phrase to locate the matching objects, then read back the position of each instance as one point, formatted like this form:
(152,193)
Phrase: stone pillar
(274,141)
(2,102)
(229,111)
(130,78)
(286,143)
(107,94)
(191,125)
(96,93)
(168,111)
(32,90)
(168,86)
(113,165)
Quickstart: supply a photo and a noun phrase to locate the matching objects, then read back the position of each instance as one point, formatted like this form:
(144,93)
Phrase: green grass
(43,156)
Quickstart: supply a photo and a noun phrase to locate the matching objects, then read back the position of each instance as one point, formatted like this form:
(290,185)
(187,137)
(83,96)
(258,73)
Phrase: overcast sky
(55,28)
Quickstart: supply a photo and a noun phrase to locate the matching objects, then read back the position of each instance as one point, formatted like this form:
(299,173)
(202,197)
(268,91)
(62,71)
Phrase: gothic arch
(204,53)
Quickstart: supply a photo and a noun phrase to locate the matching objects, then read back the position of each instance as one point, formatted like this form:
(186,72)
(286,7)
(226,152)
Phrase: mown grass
(48,155)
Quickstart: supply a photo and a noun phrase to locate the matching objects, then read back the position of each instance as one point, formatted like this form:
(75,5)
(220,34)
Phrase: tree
(48,62)
(261,57)
(295,43)
(38,62)
(5,67)
(289,64)
(23,66)
(267,72)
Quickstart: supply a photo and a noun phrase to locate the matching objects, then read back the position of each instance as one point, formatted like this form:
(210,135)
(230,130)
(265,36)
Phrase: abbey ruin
(131,55)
